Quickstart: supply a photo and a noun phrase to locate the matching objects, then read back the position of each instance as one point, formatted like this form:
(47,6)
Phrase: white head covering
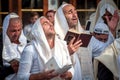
(101,28)
(42,47)
(9,50)
(61,25)
(61,28)
(39,38)
(97,45)
(104,4)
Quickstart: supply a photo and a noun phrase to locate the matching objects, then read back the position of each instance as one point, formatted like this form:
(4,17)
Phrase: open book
(84,37)
(52,64)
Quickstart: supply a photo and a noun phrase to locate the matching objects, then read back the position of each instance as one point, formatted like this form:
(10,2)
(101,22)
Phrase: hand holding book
(78,36)
(52,64)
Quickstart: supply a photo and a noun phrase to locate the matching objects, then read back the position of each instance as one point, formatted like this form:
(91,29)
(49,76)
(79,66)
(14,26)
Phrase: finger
(71,41)
(77,42)
(50,71)
(77,46)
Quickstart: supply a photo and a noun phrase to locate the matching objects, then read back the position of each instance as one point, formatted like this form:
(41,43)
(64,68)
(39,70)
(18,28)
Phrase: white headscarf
(101,28)
(9,50)
(97,45)
(104,4)
(61,28)
(42,47)
(61,25)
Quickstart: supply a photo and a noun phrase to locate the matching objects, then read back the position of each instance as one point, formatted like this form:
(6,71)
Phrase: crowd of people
(25,50)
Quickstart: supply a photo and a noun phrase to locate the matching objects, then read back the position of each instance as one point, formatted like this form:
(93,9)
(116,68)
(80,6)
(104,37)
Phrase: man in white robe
(40,50)
(63,23)
(104,5)
(102,33)
(66,18)
(14,42)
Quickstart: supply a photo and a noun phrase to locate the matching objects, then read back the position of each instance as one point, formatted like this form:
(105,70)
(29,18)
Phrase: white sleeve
(25,64)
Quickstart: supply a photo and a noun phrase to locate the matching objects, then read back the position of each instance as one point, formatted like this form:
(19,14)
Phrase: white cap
(101,28)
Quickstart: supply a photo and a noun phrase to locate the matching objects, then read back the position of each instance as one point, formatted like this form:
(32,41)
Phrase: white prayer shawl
(41,45)
(10,50)
(100,11)
(61,25)
(110,57)
(61,28)
(98,46)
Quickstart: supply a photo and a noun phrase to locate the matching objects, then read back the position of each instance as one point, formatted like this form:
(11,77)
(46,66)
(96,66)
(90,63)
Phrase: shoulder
(28,52)
(29,47)
(61,42)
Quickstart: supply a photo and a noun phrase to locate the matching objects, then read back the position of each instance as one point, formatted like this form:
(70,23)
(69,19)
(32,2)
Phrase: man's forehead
(42,20)
(68,7)
(15,21)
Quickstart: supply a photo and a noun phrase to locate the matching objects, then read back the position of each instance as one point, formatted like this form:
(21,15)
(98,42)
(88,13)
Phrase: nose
(17,32)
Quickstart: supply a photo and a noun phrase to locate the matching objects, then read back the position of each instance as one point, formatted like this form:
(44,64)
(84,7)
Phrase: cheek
(19,32)
(10,35)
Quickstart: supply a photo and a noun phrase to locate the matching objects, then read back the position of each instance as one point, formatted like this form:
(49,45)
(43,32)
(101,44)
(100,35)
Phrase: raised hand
(73,46)
(112,23)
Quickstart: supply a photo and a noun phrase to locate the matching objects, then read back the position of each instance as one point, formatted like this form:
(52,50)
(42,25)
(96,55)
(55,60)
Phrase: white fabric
(119,65)
(110,58)
(85,57)
(77,67)
(103,4)
(38,52)
(61,28)
(101,28)
(10,50)
(7,45)
(97,46)
(27,31)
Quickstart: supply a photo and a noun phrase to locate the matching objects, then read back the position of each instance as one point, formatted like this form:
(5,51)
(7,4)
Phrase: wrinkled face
(101,37)
(33,19)
(47,27)
(14,30)
(50,16)
(71,15)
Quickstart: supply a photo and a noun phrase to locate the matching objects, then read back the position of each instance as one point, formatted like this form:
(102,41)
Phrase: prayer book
(52,64)
(85,38)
